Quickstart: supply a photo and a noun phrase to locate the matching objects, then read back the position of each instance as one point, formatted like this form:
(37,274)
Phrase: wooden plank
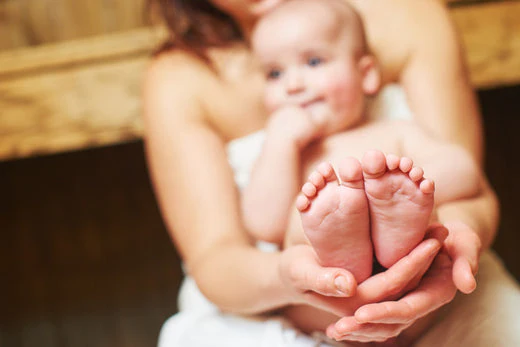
(34,22)
(85,257)
(86,93)
(491,35)
(30,60)
(73,95)
(12,25)
(70,108)
(454,3)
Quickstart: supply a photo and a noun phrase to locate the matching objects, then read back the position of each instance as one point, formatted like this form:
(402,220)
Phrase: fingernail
(341,284)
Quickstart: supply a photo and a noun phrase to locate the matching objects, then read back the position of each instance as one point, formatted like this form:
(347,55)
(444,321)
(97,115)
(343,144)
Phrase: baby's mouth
(310,102)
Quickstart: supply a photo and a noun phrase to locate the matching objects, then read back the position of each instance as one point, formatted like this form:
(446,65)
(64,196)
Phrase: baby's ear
(371,75)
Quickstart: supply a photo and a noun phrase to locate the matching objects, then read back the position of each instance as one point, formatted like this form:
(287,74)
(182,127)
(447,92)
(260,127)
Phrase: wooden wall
(78,92)
(34,22)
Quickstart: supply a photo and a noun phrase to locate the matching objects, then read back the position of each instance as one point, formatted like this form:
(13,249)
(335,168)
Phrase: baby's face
(313,64)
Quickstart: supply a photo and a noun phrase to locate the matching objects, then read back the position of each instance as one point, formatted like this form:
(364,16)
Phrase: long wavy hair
(194,26)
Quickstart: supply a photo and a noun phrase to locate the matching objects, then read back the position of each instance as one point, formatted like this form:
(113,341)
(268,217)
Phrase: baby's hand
(295,124)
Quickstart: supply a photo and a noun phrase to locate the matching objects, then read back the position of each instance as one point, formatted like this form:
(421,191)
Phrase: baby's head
(315,56)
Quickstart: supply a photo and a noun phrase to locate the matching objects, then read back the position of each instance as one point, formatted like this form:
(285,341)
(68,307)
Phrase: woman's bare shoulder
(412,9)
(176,69)
(418,19)
(174,81)
(398,29)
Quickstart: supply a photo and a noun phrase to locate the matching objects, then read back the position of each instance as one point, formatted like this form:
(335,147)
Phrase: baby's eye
(273,74)
(314,61)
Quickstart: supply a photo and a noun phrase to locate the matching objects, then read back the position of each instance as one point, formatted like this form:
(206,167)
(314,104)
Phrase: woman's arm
(196,193)
(437,84)
(463,195)
(434,75)
(436,80)
(199,201)
(472,225)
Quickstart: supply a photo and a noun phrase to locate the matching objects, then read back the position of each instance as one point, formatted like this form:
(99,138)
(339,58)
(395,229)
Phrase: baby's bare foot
(400,201)
(335,217)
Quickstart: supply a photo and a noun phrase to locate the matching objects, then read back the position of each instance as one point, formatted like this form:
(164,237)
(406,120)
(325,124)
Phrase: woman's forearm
(437,82)
(240,278)
(480,213)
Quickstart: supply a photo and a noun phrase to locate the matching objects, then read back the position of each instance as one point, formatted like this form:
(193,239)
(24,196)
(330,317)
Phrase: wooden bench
(86,93)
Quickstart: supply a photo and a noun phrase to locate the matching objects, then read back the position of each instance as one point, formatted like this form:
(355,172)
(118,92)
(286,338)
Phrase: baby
(356,202)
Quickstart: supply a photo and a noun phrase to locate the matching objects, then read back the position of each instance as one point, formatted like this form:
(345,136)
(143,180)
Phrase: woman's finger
(435,290)
(437,231)
(347,329)
(337,306)
(393,281)
(463,276)
(301,268)
(464,246)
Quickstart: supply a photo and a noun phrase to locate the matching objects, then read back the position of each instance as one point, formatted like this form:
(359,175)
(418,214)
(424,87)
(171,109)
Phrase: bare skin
(334,212)
(191,111)
(317,74)
(330,213)
(401,204)
(335,218)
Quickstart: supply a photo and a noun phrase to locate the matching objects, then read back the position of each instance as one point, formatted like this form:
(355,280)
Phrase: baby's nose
(294,82)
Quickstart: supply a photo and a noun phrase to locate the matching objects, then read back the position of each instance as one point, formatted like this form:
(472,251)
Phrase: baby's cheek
(344,91)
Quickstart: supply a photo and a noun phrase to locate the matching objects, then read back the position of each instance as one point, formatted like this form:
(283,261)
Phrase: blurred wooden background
(77,84)
(85,257)
(36,22)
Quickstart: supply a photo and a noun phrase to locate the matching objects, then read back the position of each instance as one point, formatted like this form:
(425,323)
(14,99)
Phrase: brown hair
(194,25)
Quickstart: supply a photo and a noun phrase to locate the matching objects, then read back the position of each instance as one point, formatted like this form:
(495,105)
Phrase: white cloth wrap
(488,317)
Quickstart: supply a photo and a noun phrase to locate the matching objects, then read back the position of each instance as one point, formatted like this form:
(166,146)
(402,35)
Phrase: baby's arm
(276,177)
(453,169)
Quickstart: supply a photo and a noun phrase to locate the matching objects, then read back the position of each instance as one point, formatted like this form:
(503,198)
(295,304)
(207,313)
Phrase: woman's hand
(380,321)
(463,246)
(306,280)
(384,320)
(334,289)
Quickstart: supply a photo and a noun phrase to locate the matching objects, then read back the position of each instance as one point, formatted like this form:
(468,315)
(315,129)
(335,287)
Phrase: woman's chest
(235,101)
